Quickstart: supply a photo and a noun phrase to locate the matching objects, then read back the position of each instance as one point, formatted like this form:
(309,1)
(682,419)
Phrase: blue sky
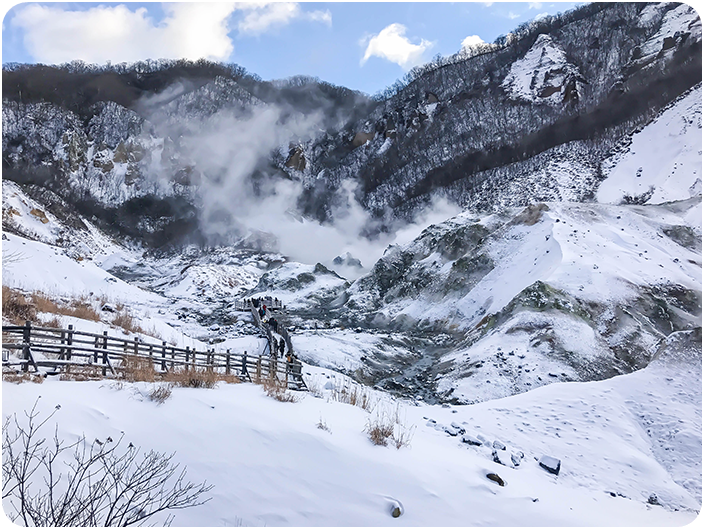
(364,46)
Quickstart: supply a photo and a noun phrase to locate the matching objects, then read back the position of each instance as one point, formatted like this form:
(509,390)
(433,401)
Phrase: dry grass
(385,428)
(16,308)
(379,431)
(53,323)
(198,378)
(125,320)
(138,369)
(78,308)
(160,393)
(82,373)
(278,390)
(354,395)
(19,377)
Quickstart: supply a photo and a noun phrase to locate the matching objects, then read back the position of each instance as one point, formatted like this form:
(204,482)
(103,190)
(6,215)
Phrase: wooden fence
(59,349)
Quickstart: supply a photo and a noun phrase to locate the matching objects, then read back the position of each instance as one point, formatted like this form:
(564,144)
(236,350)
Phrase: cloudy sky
(364,46)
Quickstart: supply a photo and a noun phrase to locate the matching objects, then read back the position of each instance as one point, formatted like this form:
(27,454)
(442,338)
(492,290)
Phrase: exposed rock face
(544,74)
(361,138)
(296,159)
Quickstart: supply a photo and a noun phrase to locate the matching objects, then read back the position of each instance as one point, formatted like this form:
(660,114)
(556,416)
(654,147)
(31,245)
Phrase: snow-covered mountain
(525,217)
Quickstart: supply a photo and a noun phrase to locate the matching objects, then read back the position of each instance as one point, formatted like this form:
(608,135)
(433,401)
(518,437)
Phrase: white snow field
(619,441)
(663,161)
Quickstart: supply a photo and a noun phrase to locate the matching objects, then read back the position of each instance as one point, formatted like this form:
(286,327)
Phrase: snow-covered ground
(619,442)
(662,162)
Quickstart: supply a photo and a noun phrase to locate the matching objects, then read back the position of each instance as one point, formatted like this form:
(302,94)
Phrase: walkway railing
(246,305)
(60,349)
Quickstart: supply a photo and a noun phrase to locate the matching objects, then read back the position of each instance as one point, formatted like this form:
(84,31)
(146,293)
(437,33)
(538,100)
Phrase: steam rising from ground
(241,193)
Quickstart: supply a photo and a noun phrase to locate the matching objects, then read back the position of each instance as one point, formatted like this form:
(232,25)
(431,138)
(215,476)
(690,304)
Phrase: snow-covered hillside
(660,163)
(557,291)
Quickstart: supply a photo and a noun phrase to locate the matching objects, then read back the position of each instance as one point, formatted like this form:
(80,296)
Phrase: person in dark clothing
(282,347)
(244,364)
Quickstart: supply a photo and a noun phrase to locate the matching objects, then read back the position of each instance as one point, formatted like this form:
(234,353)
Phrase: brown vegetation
(160,393)
(354,395)
(198,378)
(19,308)
(15,306)
(278,390)
(18,377)
(125,320)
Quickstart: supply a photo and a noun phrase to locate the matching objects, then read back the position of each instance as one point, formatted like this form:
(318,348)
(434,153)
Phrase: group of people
(274,303)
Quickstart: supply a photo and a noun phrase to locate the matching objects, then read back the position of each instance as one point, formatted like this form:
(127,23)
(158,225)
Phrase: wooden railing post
(62,351)
(259,367)
(227,362)
(105,352)
(163,356)
(69,342)
(136,345)
(173,356)
(188,350)
(96,346)
(26,340)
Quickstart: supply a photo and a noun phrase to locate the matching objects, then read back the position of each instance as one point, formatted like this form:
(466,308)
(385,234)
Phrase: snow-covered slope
(660,163)
(558,292)
(679,24)
(621,443)
(543,75)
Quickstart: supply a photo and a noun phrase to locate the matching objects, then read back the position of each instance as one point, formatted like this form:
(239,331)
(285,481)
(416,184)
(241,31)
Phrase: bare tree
(85,484)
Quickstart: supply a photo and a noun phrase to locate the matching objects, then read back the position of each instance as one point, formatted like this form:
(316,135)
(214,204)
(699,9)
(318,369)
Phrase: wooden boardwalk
(27,346)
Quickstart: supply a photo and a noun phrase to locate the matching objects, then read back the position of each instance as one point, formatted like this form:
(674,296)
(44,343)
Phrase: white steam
(228,147)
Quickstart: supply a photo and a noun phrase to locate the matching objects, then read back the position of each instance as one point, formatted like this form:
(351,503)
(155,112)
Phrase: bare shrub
(100,485)
(138,369)
(198,378)
(278,390)
(322,425)
(15,307)
(160,393)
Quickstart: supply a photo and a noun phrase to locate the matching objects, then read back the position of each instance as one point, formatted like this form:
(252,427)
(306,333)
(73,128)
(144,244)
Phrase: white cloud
(541,15)
(392,45)
(471,41)
(102,33)
(55,34)
(535,5)
(262,17)
(512,15)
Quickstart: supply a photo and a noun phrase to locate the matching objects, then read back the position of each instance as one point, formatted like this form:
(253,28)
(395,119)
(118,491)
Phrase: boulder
(471,440)
(550,464)
(496,478)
